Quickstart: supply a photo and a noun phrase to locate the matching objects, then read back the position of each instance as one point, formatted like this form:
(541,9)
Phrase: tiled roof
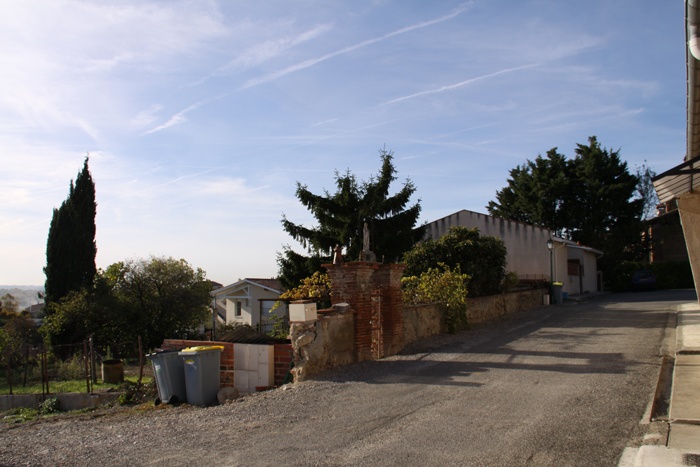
(246,335)
(273,284)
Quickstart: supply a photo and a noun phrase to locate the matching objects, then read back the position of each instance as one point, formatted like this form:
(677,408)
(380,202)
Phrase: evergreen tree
(604,212)
(341,218)
(646,191)
(71,248)
(592,199)
(537,193)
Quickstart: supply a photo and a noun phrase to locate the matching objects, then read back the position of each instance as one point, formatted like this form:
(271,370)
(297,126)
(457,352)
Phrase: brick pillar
(355,283)
(392,308)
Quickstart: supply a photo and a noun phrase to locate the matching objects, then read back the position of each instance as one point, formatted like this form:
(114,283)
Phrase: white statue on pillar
(366,254)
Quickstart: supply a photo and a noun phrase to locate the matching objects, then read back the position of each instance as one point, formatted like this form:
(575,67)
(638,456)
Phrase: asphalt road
(566,385)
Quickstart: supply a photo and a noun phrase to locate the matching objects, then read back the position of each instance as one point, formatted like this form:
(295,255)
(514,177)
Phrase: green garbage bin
(169,372)
(202,373)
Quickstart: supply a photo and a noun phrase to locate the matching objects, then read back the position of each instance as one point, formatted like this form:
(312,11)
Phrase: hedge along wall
(282,357)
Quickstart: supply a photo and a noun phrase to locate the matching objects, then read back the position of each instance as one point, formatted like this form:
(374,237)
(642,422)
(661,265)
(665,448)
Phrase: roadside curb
(678,388)
(688,331)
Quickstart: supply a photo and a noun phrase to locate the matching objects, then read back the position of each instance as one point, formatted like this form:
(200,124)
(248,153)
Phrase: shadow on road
(567,339)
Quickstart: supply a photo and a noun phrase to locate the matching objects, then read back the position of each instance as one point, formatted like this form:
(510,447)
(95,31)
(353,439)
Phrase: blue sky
(201,116)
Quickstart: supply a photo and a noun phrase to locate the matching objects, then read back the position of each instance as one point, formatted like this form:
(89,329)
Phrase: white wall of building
(527,256)
(527,252)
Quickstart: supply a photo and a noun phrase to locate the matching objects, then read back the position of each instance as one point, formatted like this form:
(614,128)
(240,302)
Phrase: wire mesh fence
(77,367)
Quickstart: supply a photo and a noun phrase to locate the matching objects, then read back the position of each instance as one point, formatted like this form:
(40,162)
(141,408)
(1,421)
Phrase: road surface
(564,385)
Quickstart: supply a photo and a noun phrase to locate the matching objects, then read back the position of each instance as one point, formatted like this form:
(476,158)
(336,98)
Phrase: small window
(239,308)
(574,267)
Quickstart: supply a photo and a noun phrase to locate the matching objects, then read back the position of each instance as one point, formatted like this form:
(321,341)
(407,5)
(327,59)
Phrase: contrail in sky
(460,84)
(181,116)
(311,62)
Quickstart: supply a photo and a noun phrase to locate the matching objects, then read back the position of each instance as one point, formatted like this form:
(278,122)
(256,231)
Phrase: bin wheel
(157,401)
(174,400)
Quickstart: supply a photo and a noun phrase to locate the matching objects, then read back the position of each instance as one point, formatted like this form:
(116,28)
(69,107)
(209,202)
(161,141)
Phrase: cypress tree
(71,247)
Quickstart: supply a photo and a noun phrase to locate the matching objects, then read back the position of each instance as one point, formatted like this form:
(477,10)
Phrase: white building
(248,301)
(528,254)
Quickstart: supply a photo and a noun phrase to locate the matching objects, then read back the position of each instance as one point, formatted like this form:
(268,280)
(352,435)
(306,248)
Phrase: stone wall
(427,320)
(484,309)
(368,321)
(323,344)
(421,321)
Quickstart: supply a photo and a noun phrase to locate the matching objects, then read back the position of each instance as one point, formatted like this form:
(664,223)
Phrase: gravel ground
(410,409)
(189,435)
(146,434)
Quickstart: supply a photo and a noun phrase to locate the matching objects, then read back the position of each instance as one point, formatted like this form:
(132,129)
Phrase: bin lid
(202,348)
(162,351)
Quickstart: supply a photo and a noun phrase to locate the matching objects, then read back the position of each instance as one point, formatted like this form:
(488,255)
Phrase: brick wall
(283,355)
(389,276)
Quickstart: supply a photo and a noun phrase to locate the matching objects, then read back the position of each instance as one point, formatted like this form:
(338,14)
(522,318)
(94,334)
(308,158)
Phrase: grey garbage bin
(558,292)
(202,373)
(169,372)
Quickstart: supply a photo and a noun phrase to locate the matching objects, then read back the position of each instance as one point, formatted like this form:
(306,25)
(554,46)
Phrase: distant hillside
(26,295)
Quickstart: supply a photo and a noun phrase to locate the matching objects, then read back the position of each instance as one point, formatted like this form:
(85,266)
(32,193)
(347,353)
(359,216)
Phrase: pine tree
(341,218)
(604,208)
(71,247)
(592,199)
(537,193)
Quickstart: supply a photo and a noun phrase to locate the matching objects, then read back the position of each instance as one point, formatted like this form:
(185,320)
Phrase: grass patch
(20,414)
(74,385)
(24,414)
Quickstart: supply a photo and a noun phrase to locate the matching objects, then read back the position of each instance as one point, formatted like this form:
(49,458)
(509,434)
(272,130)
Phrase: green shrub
(509,282)
(49,406)
(443,286)
(482,258)
(316,287)
(280,329)
(71,368)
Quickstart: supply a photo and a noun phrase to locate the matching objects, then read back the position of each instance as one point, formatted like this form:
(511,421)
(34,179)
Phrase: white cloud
(146,116)
(70,63)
